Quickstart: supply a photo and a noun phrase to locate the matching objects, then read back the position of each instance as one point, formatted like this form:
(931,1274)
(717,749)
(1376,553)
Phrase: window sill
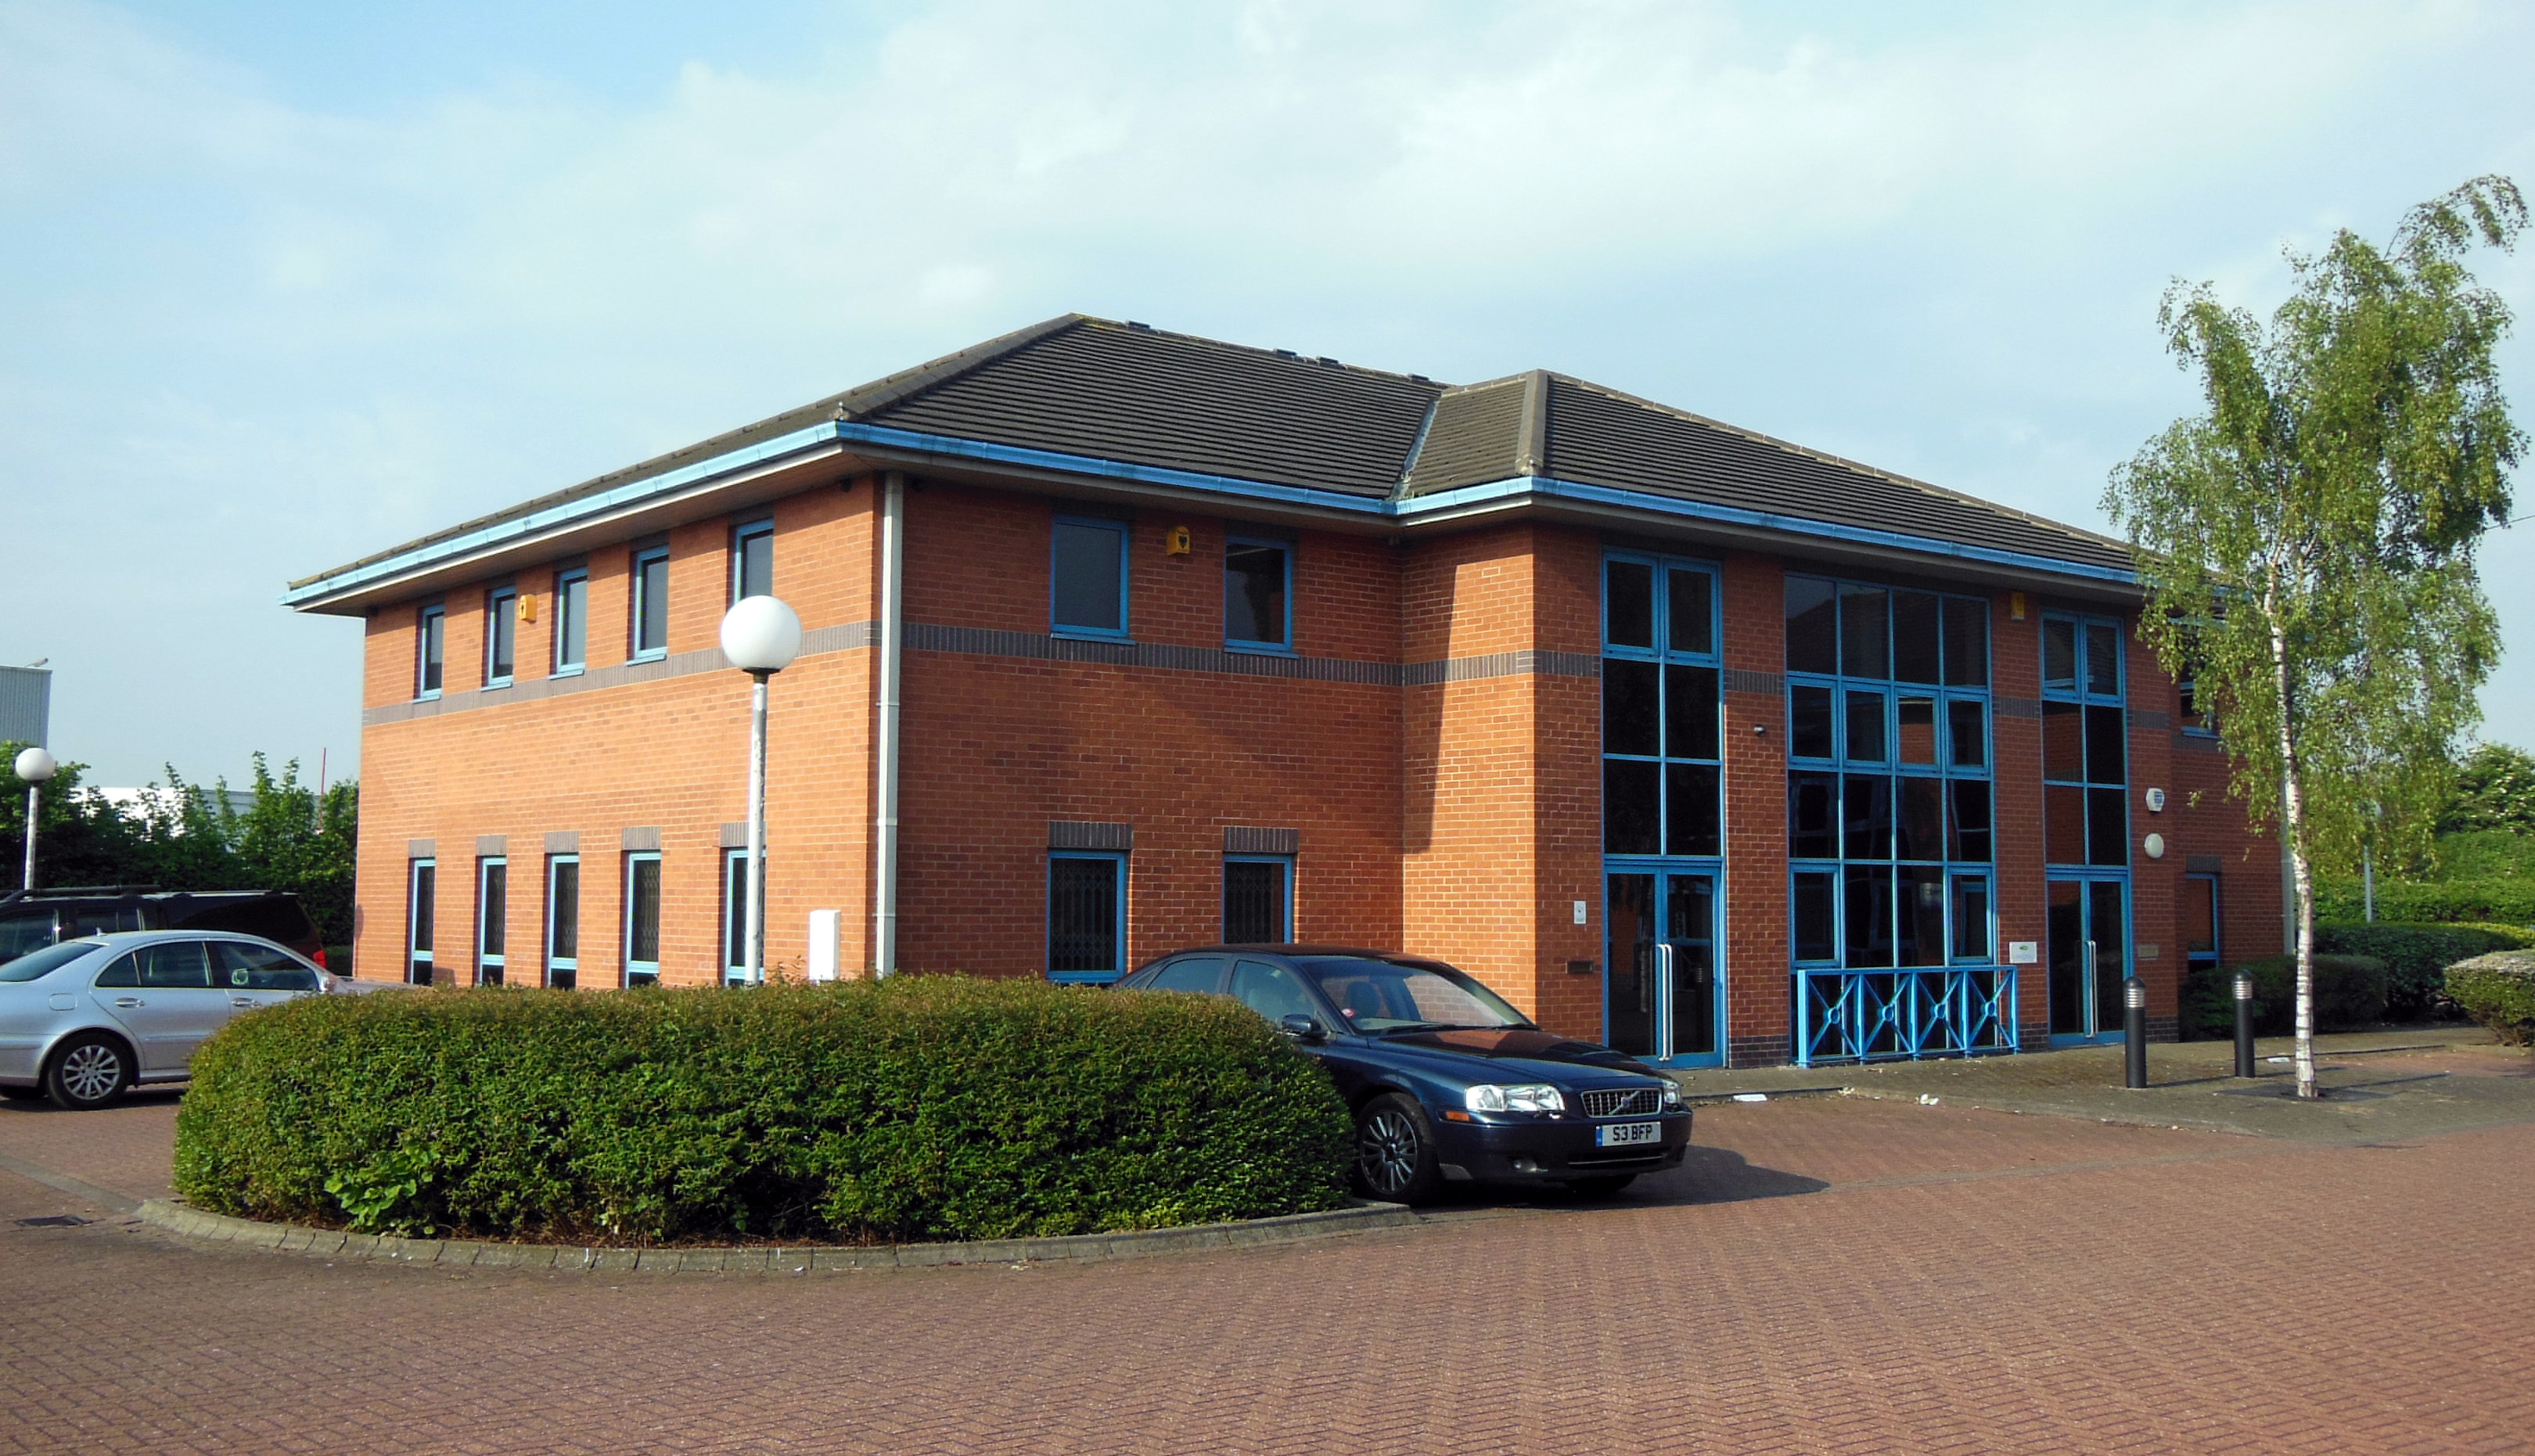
(431,696)
(652,654)
(1088,634)
(1261,649)
(568,672)
(1084,978)
(494,682)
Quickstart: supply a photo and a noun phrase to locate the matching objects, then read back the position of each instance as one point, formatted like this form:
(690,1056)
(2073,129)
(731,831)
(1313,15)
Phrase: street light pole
(760,637)
(34,765)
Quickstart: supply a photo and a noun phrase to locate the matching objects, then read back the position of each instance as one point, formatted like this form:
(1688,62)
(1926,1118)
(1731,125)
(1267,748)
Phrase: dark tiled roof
(1125,392)
(1593,436)
(1146,397)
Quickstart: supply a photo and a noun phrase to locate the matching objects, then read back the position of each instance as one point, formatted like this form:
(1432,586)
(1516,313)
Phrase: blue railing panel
(1890,1016)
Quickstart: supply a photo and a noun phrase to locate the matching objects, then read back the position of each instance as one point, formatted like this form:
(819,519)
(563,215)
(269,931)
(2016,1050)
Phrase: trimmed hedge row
(2417,957)
(2349,994)
(2498,992)
(2443,902)
(921,1108)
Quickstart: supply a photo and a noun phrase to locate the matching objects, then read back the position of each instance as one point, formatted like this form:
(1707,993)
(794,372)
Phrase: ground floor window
(422,884)
(1258,899)
(1086,916)
(2200,920)
(493,918)
(563,920)
(641,920)
(734,916)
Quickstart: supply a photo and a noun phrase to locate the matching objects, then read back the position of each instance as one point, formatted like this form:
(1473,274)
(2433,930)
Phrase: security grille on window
(1258,897)
(1087,579)
(1085,916)
(641,920)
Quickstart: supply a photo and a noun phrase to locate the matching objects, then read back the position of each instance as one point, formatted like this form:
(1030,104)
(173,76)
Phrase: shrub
(2349,993)
(2498,991)
(919,1107)
(2442,901)
(2417,957)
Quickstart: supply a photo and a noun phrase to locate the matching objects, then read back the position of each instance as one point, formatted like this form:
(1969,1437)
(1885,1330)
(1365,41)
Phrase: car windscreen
(35,965)
(1376,996)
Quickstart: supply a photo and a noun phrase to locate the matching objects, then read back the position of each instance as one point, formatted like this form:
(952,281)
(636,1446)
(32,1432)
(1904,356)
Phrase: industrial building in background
(25,705)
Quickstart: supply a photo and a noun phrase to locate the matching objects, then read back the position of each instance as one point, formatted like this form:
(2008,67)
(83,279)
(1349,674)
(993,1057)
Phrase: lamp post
(760,637)
(34,765)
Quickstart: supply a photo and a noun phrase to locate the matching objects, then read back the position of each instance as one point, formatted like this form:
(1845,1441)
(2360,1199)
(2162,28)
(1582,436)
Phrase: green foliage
(2438,902)
(2417,957)
(918,1108)
(2309,540)
(2494,789)
(2349,994)
(2498,991)
(2482,854)
(291,837)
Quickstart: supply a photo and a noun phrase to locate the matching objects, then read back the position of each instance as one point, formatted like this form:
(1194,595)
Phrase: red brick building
(1682,737)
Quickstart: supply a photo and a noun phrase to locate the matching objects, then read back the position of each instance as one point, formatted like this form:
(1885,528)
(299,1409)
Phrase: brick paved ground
(1833,1275)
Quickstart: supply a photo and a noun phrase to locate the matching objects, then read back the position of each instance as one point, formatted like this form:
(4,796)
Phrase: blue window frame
(422,892)
(642,919)
(1258,594)
(734,916)
(1086,915)
(752,559)
(501,636)
(1891,836)
(493,918)
(430,649)
(1088,577)
(570,621)
(563,920)
(648,603)
(2085,743)
(1664,725)
(1258,899)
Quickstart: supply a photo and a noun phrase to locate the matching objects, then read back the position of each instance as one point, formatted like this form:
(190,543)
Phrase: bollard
(2133,1033)
(2244,1023)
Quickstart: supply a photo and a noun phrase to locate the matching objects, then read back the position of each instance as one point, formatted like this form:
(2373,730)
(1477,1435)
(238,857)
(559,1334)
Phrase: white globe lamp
(760,635)
(34,765)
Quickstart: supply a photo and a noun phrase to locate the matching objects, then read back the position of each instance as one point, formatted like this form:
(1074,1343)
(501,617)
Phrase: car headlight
(1672,1093)
(1523,1097)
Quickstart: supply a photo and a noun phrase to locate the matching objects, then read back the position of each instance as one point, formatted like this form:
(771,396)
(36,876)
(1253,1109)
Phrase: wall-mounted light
(2015,606)
(1175,541)
(528,606)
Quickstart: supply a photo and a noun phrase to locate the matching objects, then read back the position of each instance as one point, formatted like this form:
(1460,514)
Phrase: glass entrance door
(1663,991)
(2089,931)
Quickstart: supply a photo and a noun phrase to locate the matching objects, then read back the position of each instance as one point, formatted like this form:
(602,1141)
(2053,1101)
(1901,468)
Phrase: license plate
(1628,1134)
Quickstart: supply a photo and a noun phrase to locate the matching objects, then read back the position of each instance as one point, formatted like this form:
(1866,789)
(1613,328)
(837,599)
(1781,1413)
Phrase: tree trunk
(2293,831)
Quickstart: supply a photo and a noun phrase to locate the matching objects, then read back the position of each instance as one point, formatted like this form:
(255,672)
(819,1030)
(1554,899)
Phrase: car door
(162,994)
(260,975)
(1276,993)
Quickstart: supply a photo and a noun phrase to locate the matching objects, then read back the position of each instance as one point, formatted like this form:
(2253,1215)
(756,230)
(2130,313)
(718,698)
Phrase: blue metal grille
(1874,1016)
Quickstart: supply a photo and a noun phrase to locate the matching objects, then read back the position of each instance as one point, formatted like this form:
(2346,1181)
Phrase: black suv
(1448,1083)
(32,922)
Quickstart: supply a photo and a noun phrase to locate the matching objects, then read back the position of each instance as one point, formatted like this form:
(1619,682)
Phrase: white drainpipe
(892,612)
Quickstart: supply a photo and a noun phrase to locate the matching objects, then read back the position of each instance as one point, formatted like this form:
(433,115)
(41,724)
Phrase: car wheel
(1602,1188)
(1394,1150)
(89,1072)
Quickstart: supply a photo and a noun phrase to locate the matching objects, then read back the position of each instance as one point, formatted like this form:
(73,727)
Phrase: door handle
(127,1003)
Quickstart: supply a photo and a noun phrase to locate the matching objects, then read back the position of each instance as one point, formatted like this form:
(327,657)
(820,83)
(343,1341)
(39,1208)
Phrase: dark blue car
(1448,1083)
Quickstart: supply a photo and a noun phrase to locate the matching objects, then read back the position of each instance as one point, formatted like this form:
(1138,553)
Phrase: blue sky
(284,283)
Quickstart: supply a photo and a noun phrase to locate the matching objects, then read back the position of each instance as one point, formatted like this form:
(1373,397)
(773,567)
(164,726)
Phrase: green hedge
(2442,902)
(2417,957)
(2498,991)
(2349,994)
(922,1107)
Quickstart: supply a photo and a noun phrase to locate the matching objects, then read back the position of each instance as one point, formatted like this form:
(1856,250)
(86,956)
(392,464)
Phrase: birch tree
(2306,544)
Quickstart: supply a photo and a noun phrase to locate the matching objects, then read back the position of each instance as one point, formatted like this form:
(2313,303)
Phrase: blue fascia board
(1405,512)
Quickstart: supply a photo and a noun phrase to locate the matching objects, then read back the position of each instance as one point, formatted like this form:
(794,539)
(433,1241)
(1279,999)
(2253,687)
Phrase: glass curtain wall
(1889,824)
(2085,824)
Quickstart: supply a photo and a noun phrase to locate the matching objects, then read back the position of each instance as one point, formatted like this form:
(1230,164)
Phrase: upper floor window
(431,643)
(1662,713)
(1258,577)
(751,560)
(2085,748)
(570,621)
(1087,575)
(501,636)
(650,603)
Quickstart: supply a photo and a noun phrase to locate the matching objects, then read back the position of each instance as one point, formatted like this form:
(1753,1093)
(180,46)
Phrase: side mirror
(1304,1029)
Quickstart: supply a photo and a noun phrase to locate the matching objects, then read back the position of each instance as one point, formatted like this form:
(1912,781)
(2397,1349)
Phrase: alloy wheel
(91,1072)
(1387,1149)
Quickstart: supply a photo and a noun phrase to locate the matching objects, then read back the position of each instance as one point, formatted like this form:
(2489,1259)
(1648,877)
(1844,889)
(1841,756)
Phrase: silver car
(83,1020)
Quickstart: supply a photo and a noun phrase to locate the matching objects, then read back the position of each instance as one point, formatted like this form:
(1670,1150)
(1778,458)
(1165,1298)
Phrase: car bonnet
(1514,1054)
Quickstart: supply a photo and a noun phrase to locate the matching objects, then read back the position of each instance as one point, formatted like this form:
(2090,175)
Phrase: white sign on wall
(2023,952)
